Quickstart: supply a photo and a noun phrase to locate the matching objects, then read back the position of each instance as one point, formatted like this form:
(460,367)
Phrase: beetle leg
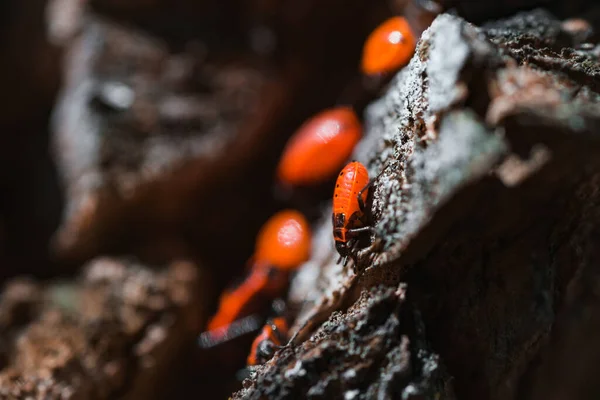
(362,229)
(361,203)
(226,333)
(371,251)
(280,335)
(278,347)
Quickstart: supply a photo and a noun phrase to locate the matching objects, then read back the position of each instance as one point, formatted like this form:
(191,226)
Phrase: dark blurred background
(311,47)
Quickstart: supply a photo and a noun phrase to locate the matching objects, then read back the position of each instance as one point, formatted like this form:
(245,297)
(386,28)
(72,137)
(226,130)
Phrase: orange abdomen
(284,241)
(389,47)
(351,180)
(320,147)
(260,286)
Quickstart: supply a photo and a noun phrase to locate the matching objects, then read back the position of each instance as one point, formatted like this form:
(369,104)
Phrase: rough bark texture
(110,334)
(166,139)
(488,144)
(158,138)
(139,146)
(374,350)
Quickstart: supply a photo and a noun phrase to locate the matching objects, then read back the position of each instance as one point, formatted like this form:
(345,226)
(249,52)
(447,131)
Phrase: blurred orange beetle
(272,336)
(320,147)
(283,243)
(389,47)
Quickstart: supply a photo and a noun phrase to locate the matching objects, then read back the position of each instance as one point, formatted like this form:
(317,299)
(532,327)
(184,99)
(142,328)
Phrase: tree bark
(484,212)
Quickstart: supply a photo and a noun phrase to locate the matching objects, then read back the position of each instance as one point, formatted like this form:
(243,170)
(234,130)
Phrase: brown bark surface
(488,144)
(114,332)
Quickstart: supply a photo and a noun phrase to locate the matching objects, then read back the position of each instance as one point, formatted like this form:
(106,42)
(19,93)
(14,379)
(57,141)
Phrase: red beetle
(262,283)
(320,147)
(350,219)
(389,47)
(268,341)
(349,198)
(283,243)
